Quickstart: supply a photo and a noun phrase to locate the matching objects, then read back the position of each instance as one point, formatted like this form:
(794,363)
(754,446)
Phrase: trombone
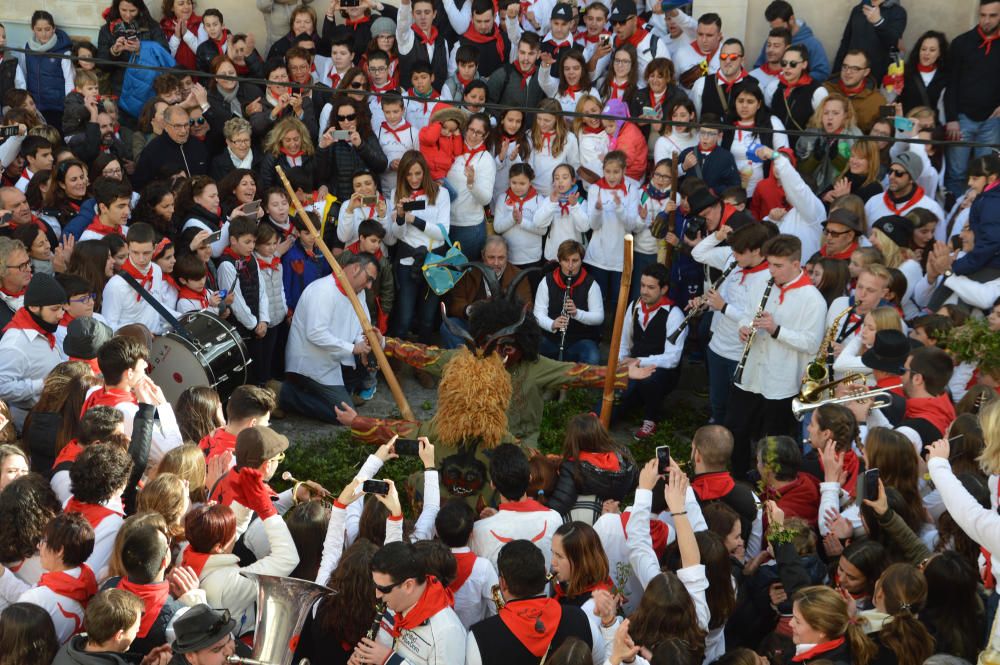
(809,399)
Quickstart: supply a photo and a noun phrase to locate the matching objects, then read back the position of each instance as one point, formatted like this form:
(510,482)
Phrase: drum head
(175,367)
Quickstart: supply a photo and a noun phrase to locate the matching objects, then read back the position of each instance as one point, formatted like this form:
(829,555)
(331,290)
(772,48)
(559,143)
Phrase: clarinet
(377,623)
(696,311)
(738,374)
(562,334)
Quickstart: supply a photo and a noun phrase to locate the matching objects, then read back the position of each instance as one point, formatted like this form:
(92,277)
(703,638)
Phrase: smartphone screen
(252,207)
(8,130)
(871,484)
(407,447)
(663,460)
(375,487)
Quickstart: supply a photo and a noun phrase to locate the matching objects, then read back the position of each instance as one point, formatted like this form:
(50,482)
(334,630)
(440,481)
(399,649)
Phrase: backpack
(137,86)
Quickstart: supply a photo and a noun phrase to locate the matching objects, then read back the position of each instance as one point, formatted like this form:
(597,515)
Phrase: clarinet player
(569,300)
(789,326)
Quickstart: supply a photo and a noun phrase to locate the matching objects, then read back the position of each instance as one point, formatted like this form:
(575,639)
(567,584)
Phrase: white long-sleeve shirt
(878,206)
(607,244)
(192,39)
(323,333)
(670,357)
(25,360)
(467,208)
(350,220)
(544,162)
(219,245)
(166,432)
(592,315)
(533,522)
(241,310)
(593,147)
(474,599)
(524,238)
(66,613)
(122,305)
(561,227)
(804,220)
(394,145)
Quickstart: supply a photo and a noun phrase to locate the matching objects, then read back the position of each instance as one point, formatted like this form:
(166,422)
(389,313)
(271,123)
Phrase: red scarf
(850,92)
(638,36)
(354,22)
(240,260)
(767,69)
(518,202)
(525,75)
(648,311)
(659,533)
(571,90)
(817,650)
(603,184)
(617,91)
(843,256)
(264,264)
(218,45)
(19,294)
(495,36)
(107,397)
(94,513)
(294,158)
(938,411)
(425,39)
(566,43)
(708,56)
(851,465)
(153,597)
(94,366)
(606,585)
(217,442)
(763,265)
(355,248)
(729,84)
(892,381)
(525,506)
(23,320)
(712,486)
(988,40)
(466,561)
(557,277)
(66,319)
(926,69)
(185,293)
(395,132)
(900,210)
(434,599)
(605,461)
(803,81)
(472,152)
(194,560)
(69,453)
(81,589)
(334,78)
(145,281)
(803,280)
(533,621)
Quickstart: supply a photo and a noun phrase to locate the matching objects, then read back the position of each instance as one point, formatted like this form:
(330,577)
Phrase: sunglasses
(197,121)
(348,117)
(789,63)
(899,173)
(729,56)
(357,85)
(385,590)
(836,234)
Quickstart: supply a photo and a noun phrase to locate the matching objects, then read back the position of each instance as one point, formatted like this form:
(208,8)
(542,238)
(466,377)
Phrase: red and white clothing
(99,231)
(743,139)
(473,587)
(807,212)
(427,231)
(647,47)
(395,141)
(607,244)
(688,55)
(64,596)
(524,238)
(22,182)
(189,300)
(60,481)
(350,220)
(543,161)
(430,633)
(64,324)
(564,221)
(515,520)
(418,112)
(882,205)
(467,208)
(121,305)
(641,227)
(639,314)
(27,355)
(593,144)
(106,518)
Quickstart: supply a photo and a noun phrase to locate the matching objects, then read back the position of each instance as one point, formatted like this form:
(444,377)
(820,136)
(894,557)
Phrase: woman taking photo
(339,159)
(748,110)
(278,102)
(112,44)
(675,138)
(237,189)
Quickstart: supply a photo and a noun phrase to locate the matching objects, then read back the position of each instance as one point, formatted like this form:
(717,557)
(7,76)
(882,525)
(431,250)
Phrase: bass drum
(214,356)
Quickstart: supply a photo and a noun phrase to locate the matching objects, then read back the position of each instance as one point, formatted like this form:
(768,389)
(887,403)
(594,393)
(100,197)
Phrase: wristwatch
(947,273)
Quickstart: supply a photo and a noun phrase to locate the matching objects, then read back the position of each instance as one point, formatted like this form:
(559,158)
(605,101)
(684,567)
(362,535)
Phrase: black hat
(622,11)
(44,290)
(888,353)
(84,336)
(700,199)
(899,229)
(255,445)
(201,627)
(846,218)
(562,11)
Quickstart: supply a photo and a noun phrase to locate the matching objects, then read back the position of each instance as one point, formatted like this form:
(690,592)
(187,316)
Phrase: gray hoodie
(72,653)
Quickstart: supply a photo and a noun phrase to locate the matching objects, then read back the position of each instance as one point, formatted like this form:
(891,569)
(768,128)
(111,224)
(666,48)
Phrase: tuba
(282,606)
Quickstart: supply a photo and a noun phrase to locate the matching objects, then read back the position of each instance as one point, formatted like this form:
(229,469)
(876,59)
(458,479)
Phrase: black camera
(695,226)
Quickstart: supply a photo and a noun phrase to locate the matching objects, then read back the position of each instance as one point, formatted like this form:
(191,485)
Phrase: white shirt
(593,147)
(435,216)
(878,206)
(166,432)
(122,305)
(685,57)
(241,310)
(561,227)
(66,613)
(536,525)
(323,333)
(25,360)
(394,146)
(591,315)
(524,239)
(543,162)
(350,220)
(474,599)
(467,208)
(804,220)
(671,355)
(607,244)
(743,140)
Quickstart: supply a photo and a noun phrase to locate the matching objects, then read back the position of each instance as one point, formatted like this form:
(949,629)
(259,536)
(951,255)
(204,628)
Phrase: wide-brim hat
(201,627)
(888,353)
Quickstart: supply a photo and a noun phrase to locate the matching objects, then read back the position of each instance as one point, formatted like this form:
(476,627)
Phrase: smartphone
(663,460)
(375,487)
(341,134)
(871,484)
(5,220)
(350,3)
(223,293)
(604,39)
(251,208)
(407,447)
(410,206)
(8,130)
(956,243)
(649,112)
(902,123)
(887,111)
(369,200)
(215,237)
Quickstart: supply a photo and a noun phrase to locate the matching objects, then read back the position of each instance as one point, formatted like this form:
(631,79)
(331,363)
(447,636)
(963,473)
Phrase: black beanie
(44,290)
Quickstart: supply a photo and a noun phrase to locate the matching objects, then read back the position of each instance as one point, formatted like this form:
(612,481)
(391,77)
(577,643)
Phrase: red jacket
(440,151)
(632,142)
(800,498)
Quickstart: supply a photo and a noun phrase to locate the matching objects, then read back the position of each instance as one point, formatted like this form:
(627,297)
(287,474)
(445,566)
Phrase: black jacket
(262,122)
(162,157)
(602,483)
(973,78)
(267,177)
(222,164)
(106,39)
(339,161)
(915,93)
(877,41)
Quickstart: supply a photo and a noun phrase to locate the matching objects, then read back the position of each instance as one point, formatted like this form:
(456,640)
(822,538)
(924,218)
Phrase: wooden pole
(608,400)
(366,324)
(665,251)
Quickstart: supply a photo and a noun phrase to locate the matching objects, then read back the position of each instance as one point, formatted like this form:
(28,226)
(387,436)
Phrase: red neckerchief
(240,260)
(533,621)
(337,282)
(656,100)
(395,132)
(729,84)
(354,22)
(69,453)
(107,397)
(557,277)
(802,81)
(647,312)
(926,69)
(524,506)
(334,77)
(74,205)
(892,382)
(585,36)
(844,255)
(606,461)
(987,39)
(637,37)
(217,442)
(94,513)
(218,45)
(472,152)
(461,81)
(264,264)
(153,597)
(607,585)
(617,91)
(95,367)
(766,68)
(145,280)
(434,599)
(495,36)
(763,265)
(518,202)
(712,486)
(659,532)
(355,248)
(851,465)
(914,198)
(34,220)
(525,75)
(821,648)
(194,560)
(850,92)
(389,85)
(560,45)
(185,293)
(81,589)
(294,158)
(19,294)
(22,320)
(603,184)
(587,129)
(433,94)
(798,283)
(274,98)
(571,90)
(938,411)
(104,229)
(466,561)
(547,139)
(425,39)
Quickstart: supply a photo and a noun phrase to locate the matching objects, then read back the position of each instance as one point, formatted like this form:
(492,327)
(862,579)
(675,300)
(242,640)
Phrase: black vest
(439,62)
(499,646)
(653,339)
(489,60)
(8,72)
(795,111)
(712,95)
(249,279)
(576,330)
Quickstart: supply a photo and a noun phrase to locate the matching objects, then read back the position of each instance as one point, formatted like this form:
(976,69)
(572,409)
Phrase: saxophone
(820,370)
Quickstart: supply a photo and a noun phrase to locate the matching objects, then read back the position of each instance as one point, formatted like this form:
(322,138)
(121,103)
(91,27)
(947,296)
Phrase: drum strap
(156,305)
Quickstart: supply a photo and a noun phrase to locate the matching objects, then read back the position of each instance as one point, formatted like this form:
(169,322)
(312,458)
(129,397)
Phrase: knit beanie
(44,290)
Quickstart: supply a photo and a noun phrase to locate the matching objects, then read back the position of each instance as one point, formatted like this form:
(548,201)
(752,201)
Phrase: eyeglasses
(84,299)
(852,68)
(789,63)
(899,173)
(197,121)
(622,61)
(357,85)
(242,141)
(730,56)
(385,590)
(708,133)
(21,266)
(836,234)
(661,175)
(378,70)
(180,125)
(348,117)
(475,132)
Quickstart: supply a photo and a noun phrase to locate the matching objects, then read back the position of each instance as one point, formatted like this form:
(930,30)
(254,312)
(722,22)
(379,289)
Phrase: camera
(695,226)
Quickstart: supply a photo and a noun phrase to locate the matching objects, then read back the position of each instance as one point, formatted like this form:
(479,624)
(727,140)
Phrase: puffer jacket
(592,477)
(45,76)
(338,162)
(983,222)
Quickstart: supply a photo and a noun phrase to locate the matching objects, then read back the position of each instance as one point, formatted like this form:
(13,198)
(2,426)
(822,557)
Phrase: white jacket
(25,360)
(438,641)
(524,239)
(529,522)
(804,220)
(467,208)
(607,244)
(394,146)
(433,217)
(543,162)
(122,305)
(474,599)
(560,227)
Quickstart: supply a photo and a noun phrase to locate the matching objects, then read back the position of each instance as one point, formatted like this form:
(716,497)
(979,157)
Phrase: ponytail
(907,638)
(863,650)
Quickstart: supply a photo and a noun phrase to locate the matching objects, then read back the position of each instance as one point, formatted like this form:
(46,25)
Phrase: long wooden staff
(366,324)
(608,400)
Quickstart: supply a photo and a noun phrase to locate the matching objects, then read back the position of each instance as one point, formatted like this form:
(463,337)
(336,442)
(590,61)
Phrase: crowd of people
(818,237)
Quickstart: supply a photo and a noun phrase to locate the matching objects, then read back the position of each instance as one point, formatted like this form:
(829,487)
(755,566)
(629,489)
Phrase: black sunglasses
(357,85)
(197,121)
(384,590)
(347,118)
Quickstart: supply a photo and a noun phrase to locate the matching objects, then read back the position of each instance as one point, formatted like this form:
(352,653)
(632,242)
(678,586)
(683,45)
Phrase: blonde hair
(893,254)
(825,611)
(989,421)
(188,463)
(869,150)
(550,107)
(817,118)
(165,495)
(578,122)
(887,318)
(272,144)
(84,77)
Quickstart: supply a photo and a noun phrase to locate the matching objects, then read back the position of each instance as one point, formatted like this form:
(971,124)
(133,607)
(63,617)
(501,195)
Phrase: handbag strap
(444,233)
